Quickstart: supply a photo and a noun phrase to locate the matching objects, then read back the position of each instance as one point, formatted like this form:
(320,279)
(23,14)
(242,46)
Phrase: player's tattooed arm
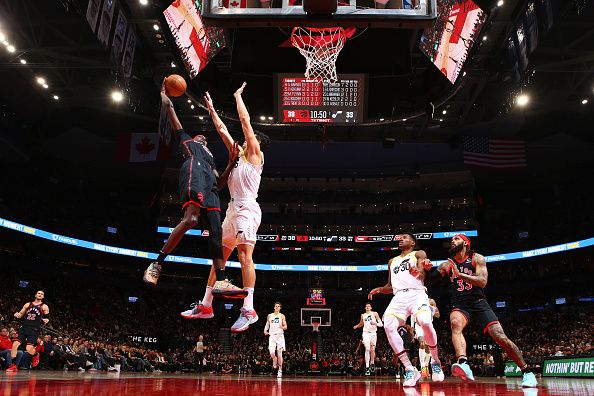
(481,274)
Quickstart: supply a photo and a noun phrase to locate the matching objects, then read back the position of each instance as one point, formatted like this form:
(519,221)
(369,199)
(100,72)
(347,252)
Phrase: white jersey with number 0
(244,180)
(367,326)
(400,276)
(275,324)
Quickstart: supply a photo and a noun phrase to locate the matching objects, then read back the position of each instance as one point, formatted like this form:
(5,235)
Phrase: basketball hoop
(320,48)
(316,326)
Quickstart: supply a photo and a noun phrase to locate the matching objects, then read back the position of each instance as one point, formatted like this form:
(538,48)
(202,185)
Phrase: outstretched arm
(165,101)
(218,123)
(253,147)
(386,289)
(20,314)
(480,276)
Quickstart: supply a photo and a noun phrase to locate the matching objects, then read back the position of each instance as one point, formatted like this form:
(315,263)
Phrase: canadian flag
(235,3)
(142,147)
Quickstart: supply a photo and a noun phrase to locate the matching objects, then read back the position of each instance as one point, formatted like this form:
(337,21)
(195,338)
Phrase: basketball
(175,85)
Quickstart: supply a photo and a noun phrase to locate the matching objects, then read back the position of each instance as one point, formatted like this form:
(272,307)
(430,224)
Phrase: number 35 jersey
(460,290)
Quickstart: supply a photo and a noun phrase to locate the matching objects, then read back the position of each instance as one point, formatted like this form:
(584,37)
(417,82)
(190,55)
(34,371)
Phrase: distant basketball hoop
(320,47)
(316,326)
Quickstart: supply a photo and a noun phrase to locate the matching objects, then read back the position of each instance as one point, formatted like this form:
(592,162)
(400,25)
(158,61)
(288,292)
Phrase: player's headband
(465,239)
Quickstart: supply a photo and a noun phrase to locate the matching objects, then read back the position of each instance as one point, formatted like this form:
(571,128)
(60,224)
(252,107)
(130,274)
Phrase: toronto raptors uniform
(31,324)
(276,341)
(409,292)
(369,329)
(243,213)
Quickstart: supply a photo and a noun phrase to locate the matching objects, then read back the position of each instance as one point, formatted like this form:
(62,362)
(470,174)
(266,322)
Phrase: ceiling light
(444,112)
(156,27)
(117,96)
(189,101)
(522,100)
(585,101)
(24,62)
(270,118)
(200,117)
(499,3)
(192,107)
(463,74)
(173,64)
(143,2)
(5,43)
(484,38)
(381,119)
(404,119)
(56,97)
(40,80)
(45,86)
(441,120)
(262,118)
(2,36)
(10,48)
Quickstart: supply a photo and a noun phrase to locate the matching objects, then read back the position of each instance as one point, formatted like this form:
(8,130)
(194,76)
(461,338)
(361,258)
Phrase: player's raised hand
(208,101)
(453,267)
(164,98)
(240,90)
(414,270)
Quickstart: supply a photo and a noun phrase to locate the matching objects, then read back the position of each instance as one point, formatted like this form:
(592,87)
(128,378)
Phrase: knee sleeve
(215,239)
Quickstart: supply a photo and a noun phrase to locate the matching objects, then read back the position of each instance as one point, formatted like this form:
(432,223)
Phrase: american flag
(494,153)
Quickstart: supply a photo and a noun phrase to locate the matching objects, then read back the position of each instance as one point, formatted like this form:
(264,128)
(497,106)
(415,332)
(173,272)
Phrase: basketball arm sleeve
(379,321)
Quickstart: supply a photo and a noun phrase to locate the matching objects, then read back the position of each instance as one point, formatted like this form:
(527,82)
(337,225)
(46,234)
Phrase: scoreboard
(316,297)
(302,100)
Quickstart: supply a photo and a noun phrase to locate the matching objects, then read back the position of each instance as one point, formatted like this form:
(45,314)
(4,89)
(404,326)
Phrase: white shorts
(241,223)
(276,342)
(406,303)
(369,339)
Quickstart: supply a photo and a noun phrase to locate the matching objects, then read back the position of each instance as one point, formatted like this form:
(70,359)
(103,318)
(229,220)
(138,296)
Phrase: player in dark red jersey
(198,190)
(33,314)
(468,276)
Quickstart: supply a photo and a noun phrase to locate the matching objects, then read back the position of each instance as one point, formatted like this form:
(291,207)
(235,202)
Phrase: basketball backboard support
(290,13)
(323,316)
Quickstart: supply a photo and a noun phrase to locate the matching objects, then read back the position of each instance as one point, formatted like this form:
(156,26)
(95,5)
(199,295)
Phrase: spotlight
(585,101)
(117,96)
(200,117)
(441,120)
(463,74)
(499,3)
(189,101)
(56,97)
(262,118)
(381,119)
(444,112)
(40,80)
(156,27)
(484,38)
(522,100)
(24,62)
(143,2)
(270,118)
(45,86)
(404,119)
(2,36)
(10,48)
(173,65)
(192,107)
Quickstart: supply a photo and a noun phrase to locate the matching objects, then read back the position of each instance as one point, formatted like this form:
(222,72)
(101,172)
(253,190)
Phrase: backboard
(318,315)
(290,13)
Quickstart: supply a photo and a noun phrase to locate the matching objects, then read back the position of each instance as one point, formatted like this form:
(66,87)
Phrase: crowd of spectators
(94,326)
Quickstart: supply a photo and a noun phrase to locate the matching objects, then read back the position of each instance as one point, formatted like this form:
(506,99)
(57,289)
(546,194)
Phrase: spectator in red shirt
(6,346)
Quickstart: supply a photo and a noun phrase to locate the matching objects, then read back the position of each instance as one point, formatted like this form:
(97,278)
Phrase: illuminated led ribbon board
(270,267)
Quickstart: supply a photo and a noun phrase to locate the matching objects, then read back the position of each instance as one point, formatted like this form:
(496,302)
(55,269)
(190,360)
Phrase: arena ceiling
(55,39)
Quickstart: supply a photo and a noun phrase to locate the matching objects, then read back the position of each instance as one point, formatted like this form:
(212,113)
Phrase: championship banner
(106,22)
(93,13)
(512,370)
(118,38)
(128,58)
(575,367)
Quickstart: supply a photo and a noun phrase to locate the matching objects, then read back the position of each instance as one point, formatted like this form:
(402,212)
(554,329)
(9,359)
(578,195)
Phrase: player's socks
(220,274)
(207,299)
(162,256)
(403,356)
(248,302)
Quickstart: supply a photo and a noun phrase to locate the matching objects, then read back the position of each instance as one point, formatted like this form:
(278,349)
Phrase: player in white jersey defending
(424,354)
(276,324)
(370,321)
(405,281)
(243,212)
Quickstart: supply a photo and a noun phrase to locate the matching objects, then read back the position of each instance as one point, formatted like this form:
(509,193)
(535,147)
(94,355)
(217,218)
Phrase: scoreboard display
(302,100)
(316,297)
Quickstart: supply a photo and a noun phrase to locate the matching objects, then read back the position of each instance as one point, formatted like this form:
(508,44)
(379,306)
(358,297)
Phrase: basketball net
(320,48)
(316,326)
